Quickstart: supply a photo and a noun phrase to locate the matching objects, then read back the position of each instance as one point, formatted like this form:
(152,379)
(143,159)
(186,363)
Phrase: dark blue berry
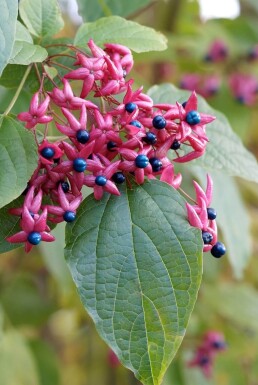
(207,58)
(130,107)
(47,152)
(31,214)
(111,145)
(82,136)
(204,360)
(100,180)
(156,164)
(211,213)
(218,345)
(150,138)
(193,117)
(118,177)
(79,164)
(34,238)
(218,250)
(207,237)
(69,216)
(65,186)
(184,104)
(175,145)
(159,122)
(135,123)
(141,161)
(240,99)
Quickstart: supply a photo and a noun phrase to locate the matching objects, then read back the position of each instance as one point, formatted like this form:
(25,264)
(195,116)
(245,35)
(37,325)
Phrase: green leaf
(137,264)
(91,11)
(22,33)
(18,159)
(225,151)
(23,302)
(42,17)
(26,53)
(9,11)
(115,29)
(53,256)
(17,365)
(9,225)
(46,361)
(232,218)
(237,303)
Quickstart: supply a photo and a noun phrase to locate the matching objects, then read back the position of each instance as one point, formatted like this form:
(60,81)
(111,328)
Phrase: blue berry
(130,107)
(159,122)
(175,145)
(79,164)
(69,216)
(193,117)
(204,360)
(156,164)
(34,238)
(47,152)
(218,250)
(111,145)
(184,104)
(135,123)
(118,177)
(218,345)
(141,161)
(211,213)
(150,138)
(100,180)
(65,186)
(207,237)
(82,136)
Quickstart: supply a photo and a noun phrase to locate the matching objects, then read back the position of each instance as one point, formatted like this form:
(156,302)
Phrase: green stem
(18,91)
(186,195)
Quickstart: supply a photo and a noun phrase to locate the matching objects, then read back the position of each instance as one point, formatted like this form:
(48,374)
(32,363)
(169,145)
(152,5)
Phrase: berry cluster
(212,343)
(107,142)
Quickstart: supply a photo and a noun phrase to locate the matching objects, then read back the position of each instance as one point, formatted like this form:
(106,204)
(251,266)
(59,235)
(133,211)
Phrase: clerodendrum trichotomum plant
(134,244)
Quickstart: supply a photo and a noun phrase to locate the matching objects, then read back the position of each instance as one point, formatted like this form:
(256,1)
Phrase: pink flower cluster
(212,343)
(243,86)
(106,141)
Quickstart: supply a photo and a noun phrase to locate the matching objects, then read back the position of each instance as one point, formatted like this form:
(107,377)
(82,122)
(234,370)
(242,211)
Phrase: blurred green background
(46,336)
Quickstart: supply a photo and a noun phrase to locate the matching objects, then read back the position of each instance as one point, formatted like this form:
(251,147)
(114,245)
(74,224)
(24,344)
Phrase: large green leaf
(232,218)
(25,53)
(115,29)
(91,11)
(225,151)
(9,225)
(17,365)
(18,159)
(42,17)
(137,265)
(9,10)
(22,33)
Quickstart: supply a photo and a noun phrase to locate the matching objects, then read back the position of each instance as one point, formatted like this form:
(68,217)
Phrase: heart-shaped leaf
(18,159)
(115,29)
(137,264)
(9,11)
